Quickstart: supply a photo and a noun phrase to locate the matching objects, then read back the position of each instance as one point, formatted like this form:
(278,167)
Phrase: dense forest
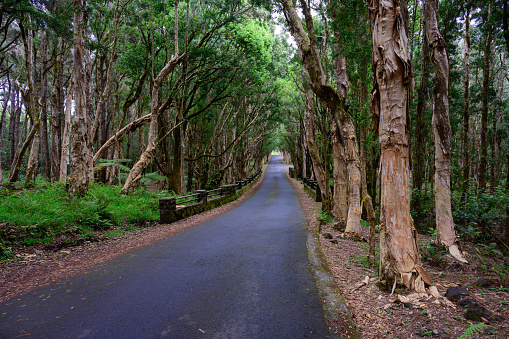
(397,109)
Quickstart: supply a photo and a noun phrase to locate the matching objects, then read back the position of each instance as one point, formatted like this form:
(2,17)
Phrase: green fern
(469,332)
(103,163)
(154,176)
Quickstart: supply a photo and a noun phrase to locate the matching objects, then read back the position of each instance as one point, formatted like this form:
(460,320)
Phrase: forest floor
(377,314)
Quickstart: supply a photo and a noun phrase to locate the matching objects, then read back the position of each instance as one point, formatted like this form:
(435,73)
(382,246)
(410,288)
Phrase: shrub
(475,214)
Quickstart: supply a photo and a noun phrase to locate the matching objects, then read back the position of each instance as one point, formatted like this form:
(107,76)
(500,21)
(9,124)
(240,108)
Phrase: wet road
(243,274)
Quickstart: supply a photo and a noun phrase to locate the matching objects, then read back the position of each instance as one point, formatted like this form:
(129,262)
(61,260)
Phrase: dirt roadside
(379,315)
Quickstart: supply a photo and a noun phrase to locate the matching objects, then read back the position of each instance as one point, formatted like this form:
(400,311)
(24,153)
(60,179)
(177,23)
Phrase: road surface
(242,274)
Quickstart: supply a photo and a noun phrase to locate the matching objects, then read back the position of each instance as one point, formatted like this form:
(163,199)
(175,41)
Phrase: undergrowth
(476,214)
(43,213)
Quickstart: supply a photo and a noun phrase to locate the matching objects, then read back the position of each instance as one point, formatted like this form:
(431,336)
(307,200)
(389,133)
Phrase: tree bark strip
(64,157)
(390,106)
(466,107)
(446,234)
(80,157)
(484,115)
(312,143)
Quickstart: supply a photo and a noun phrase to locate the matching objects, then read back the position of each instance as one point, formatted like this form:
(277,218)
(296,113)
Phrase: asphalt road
(242,274)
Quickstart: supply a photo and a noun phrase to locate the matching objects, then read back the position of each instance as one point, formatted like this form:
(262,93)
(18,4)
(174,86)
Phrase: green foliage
(153,176)
(323,217)
(255,40)
(93,212)
(424,217)
(103,163)
(475,214)
(473,329)
(433,254)
(38,217)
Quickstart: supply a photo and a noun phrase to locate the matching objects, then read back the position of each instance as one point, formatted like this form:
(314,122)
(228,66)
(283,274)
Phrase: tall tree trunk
(340,201)
(179,145)
(80,157)
(14,122)
(495,141)
(57,111)
(312,143)
(418,166)
(390,104)
(44,132)
(466,107)
(446,234)
(7,96)
(64,158)
(38,102)
(353,222)
(329,97)
(484,116)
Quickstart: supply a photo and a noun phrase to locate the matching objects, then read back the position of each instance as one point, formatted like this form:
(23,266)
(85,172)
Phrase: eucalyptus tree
(399,255)
(485,88)
(306,41)
(446,233)
(82,74)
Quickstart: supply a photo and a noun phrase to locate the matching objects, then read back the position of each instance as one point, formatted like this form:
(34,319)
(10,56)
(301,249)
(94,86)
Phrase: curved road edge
(338,317)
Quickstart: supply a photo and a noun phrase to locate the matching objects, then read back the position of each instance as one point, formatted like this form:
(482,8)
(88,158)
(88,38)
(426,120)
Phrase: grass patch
(45,212)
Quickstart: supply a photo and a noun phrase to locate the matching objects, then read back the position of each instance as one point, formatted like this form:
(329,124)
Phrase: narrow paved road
(243,274)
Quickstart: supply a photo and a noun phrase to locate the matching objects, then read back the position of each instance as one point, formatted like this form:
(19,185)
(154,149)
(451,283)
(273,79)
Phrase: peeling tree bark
(38,106)
(353,221)
(330,98)
(484,116)
(56,112)
(312,143)
(80,159)
(390,106)
(466,106)
(446,235)
(340,201)
(64,157)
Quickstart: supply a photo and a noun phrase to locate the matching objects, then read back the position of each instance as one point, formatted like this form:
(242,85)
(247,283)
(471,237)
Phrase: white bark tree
(392,68)
(446,234)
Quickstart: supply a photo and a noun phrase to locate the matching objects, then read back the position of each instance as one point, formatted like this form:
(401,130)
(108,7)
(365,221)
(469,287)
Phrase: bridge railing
(175,208)
(311,185)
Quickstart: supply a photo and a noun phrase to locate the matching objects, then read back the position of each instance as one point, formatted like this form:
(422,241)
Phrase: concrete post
(167,210)
(318,193)
(202,196)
